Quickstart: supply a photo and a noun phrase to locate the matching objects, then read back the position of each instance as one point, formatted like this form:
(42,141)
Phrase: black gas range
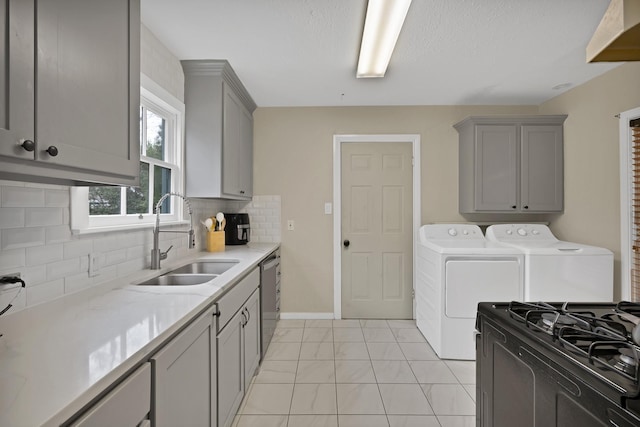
(558,364)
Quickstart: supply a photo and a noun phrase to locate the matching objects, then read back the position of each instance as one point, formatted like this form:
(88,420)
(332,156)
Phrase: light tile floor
(357,373)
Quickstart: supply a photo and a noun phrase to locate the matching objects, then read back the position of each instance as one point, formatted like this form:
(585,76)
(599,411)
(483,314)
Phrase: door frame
(338,140)
(626,197)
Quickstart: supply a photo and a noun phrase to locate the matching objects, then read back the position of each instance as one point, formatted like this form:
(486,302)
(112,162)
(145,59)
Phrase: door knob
(52,150)
(28,145)
(346,243)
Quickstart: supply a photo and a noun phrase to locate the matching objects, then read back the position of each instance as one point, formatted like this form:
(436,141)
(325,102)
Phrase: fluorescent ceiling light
(381,29)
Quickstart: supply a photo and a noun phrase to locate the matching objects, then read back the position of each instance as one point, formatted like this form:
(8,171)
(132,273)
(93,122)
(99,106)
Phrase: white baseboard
(310,316)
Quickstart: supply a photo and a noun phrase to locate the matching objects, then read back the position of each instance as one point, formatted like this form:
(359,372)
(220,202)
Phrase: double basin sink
(196,273)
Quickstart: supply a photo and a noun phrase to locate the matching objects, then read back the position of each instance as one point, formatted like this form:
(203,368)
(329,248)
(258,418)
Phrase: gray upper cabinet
(69,110)
(219,131)
(511,164)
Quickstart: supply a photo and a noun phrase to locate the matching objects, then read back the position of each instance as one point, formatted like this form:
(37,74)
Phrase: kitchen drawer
(233,300)
(126,405)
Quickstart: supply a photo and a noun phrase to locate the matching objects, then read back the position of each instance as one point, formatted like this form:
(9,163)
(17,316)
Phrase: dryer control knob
(453,232)
(509,232)
(535,232)
(465,232)
(522,231)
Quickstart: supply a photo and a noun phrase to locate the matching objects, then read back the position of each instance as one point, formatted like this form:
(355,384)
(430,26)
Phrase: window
(161,124)
(630,203)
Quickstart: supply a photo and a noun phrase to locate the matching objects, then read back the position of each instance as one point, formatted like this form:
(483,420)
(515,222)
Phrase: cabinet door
(182,376)
(88,85)
(126,405)
(542,168)
(496,178)
(237,165)
(245,169)
(16,77)
(230,369)
(251,337)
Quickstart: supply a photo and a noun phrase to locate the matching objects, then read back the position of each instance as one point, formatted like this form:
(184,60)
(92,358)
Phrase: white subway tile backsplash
(115,257)
(22,197)
(128,267)
(76,282)
(44,292)
(77,248)
(11,217)
(35,217)
(60,269)
(58,234)
(12,259)
(56,198)
(34,275)
(15,238)
(40,255)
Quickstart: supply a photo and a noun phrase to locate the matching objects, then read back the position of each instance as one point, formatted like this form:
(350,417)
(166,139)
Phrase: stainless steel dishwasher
(269,297)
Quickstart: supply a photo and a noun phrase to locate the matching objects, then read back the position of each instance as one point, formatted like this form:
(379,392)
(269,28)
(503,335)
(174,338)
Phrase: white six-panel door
(377,251)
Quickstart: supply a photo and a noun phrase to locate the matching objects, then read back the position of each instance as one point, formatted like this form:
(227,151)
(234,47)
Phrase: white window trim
(626,190)
(81,223)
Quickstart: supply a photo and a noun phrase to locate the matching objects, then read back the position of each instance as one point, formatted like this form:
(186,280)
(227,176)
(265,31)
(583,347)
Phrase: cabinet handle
(248,314)
(217,313)
(244,319)
(526,207)
(28,145)
(241,191)
(52,150)
(513,207)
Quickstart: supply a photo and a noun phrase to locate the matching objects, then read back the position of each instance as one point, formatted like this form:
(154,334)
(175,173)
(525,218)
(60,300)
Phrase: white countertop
(57,357)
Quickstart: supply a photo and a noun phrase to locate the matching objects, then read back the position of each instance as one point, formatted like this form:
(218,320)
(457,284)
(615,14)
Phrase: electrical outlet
(328,208)
(94,264)
(9,285)
(291,225)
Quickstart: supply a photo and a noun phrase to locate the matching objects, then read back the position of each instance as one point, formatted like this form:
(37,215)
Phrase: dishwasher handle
(270,263)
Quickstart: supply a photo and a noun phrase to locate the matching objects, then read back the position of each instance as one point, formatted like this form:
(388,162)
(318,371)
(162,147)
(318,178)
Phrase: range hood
(617,38)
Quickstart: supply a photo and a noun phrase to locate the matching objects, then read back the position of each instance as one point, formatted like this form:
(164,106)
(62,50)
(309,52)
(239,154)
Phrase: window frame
(156,99)
(626,199)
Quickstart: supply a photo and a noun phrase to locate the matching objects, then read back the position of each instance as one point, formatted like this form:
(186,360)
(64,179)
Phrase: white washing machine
(555,270)
(456,269)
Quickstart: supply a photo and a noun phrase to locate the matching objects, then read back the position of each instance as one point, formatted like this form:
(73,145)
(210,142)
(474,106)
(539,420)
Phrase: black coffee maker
(237,230)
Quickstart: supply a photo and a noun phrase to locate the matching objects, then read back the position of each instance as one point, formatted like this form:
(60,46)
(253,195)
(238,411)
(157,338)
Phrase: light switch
(328,208)
(291,225)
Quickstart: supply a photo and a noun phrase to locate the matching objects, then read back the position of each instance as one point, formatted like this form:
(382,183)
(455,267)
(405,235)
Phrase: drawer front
(126,405)
(231,302)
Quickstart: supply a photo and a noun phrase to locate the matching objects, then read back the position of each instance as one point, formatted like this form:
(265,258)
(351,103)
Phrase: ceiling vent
(617,38)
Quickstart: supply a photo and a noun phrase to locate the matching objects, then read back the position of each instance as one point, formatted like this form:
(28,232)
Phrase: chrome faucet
(156,254)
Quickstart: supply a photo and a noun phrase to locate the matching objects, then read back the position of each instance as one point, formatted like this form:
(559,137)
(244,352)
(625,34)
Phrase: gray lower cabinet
(219,132)
(69,109)
(238,344)
(511,164)
(127,405)
(184,376)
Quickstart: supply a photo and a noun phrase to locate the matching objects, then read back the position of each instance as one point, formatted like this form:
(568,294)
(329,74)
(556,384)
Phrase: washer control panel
(451,232)
(522,232)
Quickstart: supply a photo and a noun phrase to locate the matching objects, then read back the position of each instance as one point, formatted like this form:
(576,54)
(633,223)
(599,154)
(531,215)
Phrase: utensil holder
(215,241)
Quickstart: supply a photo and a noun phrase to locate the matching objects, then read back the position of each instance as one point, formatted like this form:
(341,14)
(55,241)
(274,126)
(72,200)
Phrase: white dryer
(555,270)
(456,269)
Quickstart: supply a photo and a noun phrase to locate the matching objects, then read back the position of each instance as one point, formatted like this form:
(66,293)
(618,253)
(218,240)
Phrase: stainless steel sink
(179,280)
(205,267)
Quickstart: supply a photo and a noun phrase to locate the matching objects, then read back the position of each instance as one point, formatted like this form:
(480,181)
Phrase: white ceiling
(450,52)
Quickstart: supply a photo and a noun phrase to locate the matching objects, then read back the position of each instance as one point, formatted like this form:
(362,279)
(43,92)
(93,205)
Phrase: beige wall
(592,163)
(294,159)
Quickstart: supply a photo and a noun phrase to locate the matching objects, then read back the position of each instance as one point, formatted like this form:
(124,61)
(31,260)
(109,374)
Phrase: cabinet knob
(513,207)
(526,207)
(52,150)
(28,145)
(346,243)
(241,191)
